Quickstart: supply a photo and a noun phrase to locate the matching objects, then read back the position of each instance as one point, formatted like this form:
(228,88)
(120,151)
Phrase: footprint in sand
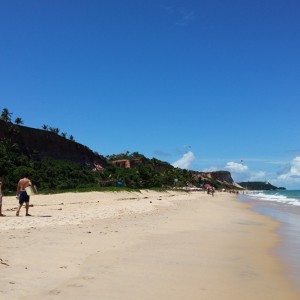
(2,262)
(64,267)
(54,292)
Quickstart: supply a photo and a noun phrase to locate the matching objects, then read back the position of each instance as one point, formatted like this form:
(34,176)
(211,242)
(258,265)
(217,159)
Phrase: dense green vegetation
(259,186)
(55,176)
(51,175)
(126,155)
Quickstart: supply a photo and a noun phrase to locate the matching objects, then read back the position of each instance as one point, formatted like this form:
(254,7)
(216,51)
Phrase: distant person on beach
(1,188)
(22,194)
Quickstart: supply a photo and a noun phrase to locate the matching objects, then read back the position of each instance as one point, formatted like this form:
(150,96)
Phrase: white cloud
(291,175)
(241,172)
(236,167)
(185,161)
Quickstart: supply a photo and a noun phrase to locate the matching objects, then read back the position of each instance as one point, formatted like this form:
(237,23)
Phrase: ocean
(282,206)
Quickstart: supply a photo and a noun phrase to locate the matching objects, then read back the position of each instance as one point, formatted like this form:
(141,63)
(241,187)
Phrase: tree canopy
(55,175)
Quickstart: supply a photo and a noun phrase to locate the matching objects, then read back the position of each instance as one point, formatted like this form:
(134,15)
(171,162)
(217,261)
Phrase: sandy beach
(140,245)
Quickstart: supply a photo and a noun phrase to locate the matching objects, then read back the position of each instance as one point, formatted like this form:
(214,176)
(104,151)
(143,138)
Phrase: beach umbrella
(207,186)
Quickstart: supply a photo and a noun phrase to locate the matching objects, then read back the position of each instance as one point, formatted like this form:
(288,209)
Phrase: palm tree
(6,115)
(45,127)
(19,121)
(54,129)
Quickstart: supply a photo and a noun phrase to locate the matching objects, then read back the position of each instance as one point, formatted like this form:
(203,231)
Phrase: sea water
(283,206)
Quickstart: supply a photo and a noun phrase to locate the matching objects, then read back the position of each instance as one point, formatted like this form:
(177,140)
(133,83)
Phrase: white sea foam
(276,197)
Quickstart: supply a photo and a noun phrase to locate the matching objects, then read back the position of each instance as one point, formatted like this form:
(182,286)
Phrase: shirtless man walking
(22,194)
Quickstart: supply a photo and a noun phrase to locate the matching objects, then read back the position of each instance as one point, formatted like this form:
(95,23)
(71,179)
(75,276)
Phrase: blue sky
(206,85)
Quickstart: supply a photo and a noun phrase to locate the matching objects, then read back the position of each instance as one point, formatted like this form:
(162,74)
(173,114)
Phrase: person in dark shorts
(22,194)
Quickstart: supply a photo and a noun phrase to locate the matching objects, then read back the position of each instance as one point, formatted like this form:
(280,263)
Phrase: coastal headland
(140,245)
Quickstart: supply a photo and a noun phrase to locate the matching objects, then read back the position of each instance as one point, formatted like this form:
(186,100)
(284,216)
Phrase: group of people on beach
(21,195)
(210,190)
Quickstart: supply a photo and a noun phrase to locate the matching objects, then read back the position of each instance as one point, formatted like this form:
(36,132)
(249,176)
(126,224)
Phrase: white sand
(148,245)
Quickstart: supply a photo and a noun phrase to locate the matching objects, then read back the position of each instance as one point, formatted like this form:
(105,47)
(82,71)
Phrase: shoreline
(288,217)
(148,245)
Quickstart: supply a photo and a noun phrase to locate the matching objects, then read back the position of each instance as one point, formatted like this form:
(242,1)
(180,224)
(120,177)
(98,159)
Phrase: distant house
(129,163)
(122,163)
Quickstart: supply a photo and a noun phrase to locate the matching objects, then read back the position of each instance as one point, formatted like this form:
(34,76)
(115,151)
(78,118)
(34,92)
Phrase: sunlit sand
(140,245)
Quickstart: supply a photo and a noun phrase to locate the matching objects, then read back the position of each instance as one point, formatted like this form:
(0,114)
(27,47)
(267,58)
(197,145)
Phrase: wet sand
(148,245)
(289,231)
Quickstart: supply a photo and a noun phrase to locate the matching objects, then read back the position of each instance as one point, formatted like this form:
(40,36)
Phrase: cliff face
(223,176)
(219,176)
(41,144)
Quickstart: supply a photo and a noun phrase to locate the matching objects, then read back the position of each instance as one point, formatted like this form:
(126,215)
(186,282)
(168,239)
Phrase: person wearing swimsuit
(22,194)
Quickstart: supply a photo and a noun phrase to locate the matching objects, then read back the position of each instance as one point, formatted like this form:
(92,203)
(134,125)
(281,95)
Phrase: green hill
(259,186)
(56,163)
